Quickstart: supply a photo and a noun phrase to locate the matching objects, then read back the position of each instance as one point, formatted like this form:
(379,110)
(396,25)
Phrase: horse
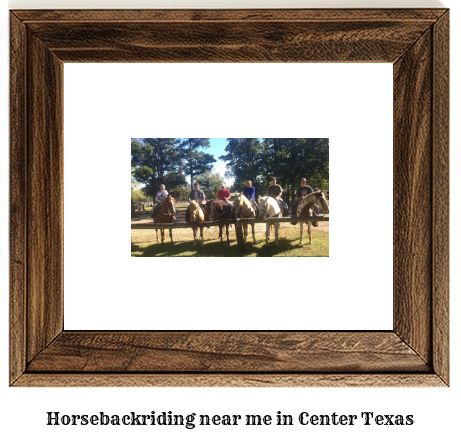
(269,208)
(216,210)
(305,208)
(245,209)
(165,214)
(195,216)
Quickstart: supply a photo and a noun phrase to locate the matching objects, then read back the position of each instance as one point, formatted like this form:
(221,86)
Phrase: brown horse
(195,215)
(305,208)
(216,210)
(165,214)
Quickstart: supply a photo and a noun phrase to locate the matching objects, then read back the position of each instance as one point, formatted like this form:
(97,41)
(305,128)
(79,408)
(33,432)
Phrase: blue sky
(216,148)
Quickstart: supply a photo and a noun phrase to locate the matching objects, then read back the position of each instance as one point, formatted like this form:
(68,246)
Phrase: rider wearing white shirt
(161,195)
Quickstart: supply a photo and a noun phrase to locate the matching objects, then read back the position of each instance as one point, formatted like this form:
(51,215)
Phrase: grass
(144,243)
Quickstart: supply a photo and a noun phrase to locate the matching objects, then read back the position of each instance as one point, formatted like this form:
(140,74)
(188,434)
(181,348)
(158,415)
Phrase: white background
(349,103)
(434,410)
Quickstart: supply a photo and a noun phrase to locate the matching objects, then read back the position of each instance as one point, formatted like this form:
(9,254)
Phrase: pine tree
(196,161)
(155,160)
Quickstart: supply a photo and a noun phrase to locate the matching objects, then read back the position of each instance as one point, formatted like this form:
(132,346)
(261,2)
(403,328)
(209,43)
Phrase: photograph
(229,197)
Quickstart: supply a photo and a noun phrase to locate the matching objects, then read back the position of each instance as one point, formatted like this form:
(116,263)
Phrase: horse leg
(171,236)
(156,232)
(277,234)
(245,232)
(227,234)
(268,234)
(309,223)
(253,232)
(201,236)
(220,233)
(193,234)
(301,225)
(162,233)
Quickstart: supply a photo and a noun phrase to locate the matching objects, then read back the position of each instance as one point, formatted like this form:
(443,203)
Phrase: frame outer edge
(440,190)
(18,194)
(18,345)
(229,380)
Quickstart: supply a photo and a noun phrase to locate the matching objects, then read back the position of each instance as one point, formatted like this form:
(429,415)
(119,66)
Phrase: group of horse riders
(274,190)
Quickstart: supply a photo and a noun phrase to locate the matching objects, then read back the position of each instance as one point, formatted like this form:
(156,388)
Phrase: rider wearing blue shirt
(249,191)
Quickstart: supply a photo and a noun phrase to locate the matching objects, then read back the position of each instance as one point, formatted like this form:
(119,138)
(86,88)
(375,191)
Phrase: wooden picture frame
(414,353)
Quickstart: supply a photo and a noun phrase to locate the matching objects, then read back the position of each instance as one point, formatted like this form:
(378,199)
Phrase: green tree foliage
(210,183)
(182,192)
(245,161)
(287,159)
(290,159)
(196,161)
(156,161)
(174,180)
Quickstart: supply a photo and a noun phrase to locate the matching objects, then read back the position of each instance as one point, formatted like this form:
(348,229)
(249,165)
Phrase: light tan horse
(269,208)
(243,207)
(196,216)
(305,208)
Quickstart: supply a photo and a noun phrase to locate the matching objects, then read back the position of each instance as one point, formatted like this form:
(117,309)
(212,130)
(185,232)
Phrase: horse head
(196,212)
(322,201)
(244,200)
(213,209)
(306,203)
(268,207)
(171,204)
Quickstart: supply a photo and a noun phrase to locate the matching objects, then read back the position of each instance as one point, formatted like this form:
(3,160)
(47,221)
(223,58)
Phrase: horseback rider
(301,192)
(199,196)
(161,195)
(275,191)
(249,192)
(224,194)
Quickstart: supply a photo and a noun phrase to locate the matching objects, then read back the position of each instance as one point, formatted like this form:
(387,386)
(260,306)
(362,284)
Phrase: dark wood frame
(415,352)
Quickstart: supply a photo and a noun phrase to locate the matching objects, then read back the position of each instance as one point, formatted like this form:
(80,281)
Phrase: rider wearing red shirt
(224,193)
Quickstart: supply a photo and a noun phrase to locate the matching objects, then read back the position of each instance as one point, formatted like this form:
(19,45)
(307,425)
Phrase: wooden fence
(237,222)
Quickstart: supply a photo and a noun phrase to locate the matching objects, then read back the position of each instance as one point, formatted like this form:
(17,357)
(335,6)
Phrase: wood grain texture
(45,178)
(230,380)
(18,208)
(224,351)
(309,41)
(412,184)
(414,354)
(441,190)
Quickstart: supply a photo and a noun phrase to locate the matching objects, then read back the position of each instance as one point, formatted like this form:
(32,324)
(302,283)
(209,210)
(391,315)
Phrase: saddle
(283,207)
(155,210)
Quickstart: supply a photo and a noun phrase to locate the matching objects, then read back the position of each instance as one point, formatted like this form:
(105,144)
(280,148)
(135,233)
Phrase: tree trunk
(133,214)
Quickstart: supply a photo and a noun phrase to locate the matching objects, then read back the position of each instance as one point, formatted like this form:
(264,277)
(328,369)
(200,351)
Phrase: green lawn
(144,243)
